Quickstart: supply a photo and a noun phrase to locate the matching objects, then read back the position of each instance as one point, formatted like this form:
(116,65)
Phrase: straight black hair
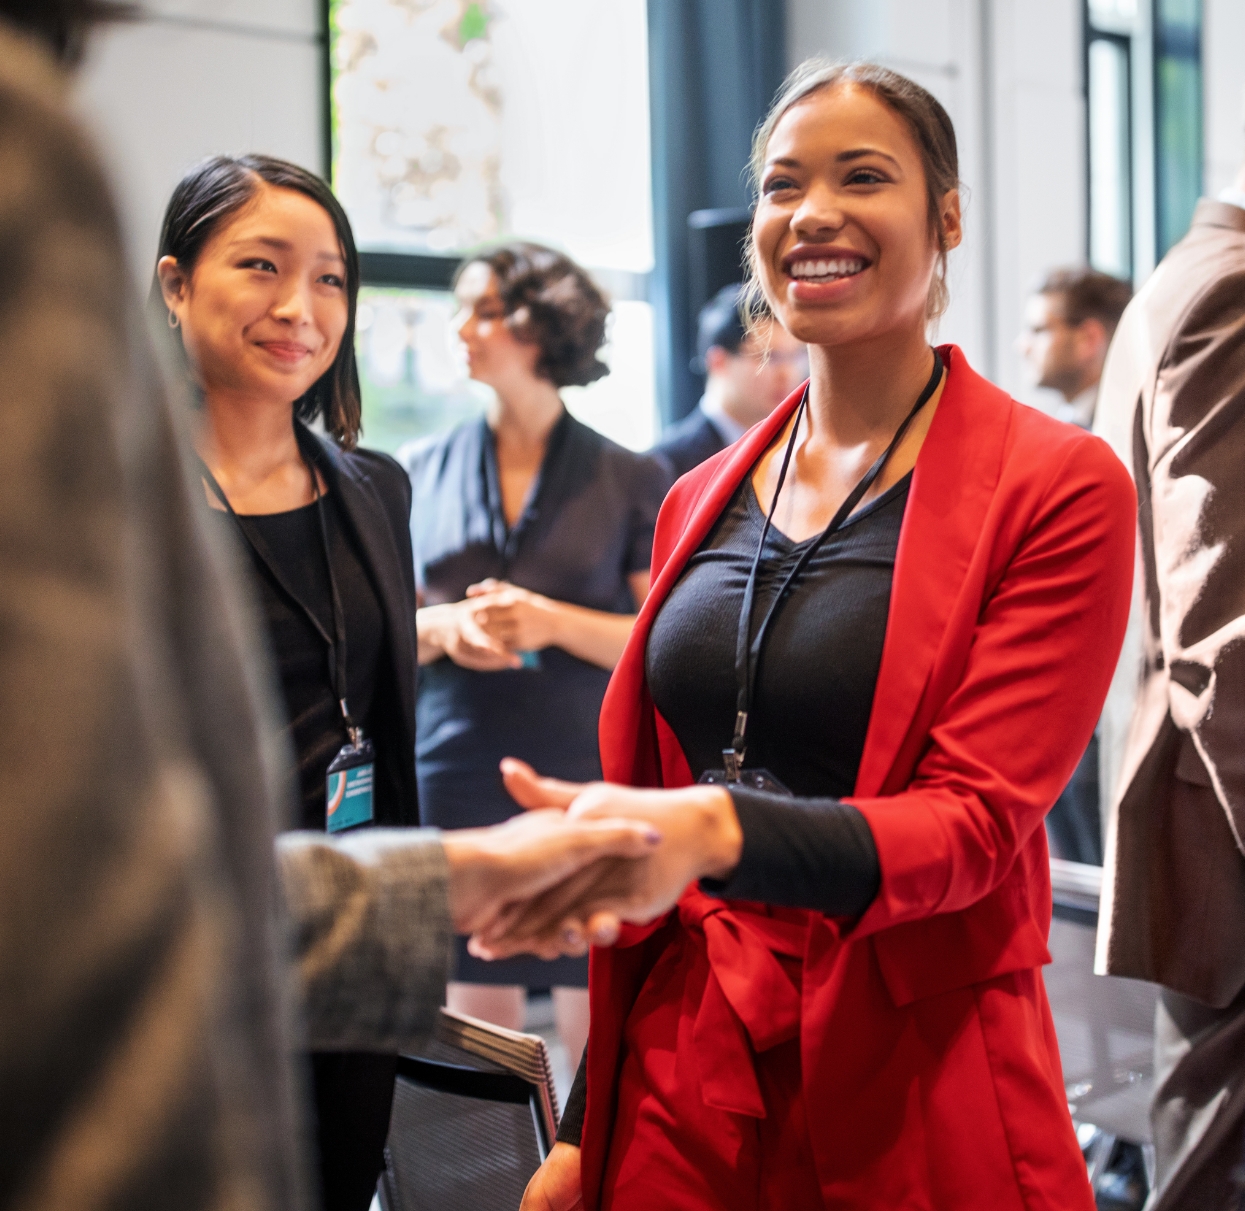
(64,24)
(213,192)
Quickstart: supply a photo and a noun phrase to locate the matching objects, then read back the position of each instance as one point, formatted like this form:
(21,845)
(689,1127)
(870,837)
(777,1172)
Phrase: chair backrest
(473,1117)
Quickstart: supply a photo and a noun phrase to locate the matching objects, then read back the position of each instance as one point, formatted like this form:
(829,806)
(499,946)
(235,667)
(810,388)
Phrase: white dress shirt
(1079,410)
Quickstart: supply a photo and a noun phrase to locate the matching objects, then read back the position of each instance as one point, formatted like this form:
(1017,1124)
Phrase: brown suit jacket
(1174,390)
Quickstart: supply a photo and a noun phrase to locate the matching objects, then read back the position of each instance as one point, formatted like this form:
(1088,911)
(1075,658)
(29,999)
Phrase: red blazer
(931,1070)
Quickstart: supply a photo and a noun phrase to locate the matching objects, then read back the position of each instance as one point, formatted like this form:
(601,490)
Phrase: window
(455,124)
(1177,116)
(1110,26)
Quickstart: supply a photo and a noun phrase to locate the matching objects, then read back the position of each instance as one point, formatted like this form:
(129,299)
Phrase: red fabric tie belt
(750,1003)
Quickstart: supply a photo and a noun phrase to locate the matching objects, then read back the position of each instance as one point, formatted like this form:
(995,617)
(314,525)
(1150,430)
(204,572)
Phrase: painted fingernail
(653,837)
(570,934)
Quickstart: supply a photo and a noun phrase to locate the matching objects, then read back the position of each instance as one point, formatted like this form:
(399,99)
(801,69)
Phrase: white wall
(1019,117)
(1223,62)
(194,78)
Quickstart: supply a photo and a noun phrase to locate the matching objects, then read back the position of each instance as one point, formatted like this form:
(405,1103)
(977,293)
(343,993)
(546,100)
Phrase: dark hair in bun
(551,302)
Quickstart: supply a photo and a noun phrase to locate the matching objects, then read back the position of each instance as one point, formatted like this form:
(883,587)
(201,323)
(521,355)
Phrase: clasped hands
(584,859)
(491,625)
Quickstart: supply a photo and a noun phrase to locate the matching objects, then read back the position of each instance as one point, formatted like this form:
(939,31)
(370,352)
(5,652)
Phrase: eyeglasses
(1049,326)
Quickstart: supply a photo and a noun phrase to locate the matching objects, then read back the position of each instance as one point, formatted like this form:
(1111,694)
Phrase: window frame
(1169,43)
(1092,33)
(1124,43)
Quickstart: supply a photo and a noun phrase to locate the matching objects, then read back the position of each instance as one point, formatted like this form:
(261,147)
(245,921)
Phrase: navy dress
(587,525)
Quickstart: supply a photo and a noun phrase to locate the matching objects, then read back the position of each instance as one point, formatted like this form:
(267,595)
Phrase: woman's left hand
(522,620)
(700,837)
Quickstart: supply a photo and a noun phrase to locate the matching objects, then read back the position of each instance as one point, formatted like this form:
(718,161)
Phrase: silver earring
(173,320)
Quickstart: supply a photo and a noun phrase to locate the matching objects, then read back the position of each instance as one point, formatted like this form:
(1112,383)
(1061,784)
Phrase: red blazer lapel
(955,478)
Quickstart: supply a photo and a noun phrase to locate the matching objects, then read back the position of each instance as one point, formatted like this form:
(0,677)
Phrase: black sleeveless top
(301,656)
(816,676)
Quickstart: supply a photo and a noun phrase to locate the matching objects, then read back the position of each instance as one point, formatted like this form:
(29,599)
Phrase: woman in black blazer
(258,271)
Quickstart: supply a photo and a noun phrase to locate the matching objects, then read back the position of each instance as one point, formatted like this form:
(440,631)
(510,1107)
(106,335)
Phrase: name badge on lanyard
(748,651)
(348,785)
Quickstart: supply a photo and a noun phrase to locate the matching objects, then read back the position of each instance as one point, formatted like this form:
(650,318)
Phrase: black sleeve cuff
(571,1128)
(801,853)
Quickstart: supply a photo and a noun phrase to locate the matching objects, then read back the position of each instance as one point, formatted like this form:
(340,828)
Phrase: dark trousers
(353,1093)
(1074,825)
(1198,1113)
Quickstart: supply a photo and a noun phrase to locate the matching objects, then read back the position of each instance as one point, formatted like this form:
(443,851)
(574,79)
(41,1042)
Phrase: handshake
(582,860)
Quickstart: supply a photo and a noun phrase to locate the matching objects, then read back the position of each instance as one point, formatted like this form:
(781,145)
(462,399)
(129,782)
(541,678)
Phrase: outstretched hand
(492,870)
(699,837)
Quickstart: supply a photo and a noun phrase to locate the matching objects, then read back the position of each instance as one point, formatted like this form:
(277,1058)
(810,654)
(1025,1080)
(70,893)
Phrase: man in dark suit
(747,375)
(1172,404)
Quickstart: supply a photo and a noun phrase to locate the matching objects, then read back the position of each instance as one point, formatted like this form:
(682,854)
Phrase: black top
(814,682)
(688,442)
(587,525)
(293,543)
(370,499)
(811,705)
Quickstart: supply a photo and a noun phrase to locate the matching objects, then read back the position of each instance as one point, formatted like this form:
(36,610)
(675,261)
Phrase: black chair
(473,1118)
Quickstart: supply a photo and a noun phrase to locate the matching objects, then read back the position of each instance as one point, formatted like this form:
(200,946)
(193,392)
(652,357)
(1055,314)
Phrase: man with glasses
(747,375)
(1069,321)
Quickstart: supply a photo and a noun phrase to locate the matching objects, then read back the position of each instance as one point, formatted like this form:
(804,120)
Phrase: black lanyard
(337,641)
(748,655)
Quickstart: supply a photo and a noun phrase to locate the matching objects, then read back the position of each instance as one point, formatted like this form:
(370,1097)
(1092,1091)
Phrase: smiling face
(495,356)
(842,236)
(264,309)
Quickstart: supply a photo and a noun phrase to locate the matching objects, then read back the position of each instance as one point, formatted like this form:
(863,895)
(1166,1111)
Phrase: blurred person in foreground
(1069,322)
(532,536)
(1173,905)
(151,930)
(747,375)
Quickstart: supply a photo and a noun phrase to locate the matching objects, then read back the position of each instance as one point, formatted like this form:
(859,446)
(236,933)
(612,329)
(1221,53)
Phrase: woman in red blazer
(847,1010)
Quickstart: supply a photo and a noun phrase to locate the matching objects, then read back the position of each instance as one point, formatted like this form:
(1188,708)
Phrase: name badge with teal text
(349,786)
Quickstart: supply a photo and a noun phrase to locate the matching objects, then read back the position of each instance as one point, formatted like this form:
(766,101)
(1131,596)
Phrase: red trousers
(712,1039)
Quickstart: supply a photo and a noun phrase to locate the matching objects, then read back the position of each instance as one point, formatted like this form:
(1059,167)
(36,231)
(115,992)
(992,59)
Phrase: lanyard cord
(337,641)
(748,654)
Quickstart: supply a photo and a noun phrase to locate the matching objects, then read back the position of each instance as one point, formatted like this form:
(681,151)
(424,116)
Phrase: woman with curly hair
(532,535)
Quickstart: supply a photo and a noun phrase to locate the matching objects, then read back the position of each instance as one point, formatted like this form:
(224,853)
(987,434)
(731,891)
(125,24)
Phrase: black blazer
(688,443)
(375,495)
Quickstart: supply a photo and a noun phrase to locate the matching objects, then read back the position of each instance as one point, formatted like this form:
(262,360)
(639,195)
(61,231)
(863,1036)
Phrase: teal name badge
(349,785)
